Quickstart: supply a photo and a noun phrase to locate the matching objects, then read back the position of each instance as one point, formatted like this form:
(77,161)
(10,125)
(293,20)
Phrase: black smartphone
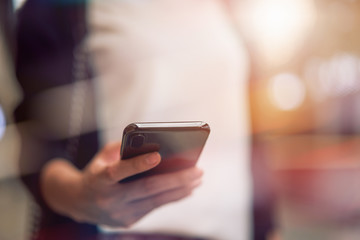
(179,144)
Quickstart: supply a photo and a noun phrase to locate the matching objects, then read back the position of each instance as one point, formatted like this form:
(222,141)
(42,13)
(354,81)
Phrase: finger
(154,185)
(122,169)
(144,206)
(110,152)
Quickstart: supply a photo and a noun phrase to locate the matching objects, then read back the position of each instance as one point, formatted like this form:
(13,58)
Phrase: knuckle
(109,173)
(183,178)
(150,184)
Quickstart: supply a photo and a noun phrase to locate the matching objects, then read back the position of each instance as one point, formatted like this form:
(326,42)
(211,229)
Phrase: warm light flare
(279,26)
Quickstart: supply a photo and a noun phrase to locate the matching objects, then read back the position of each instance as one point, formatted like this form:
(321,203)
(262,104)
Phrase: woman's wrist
(62,187)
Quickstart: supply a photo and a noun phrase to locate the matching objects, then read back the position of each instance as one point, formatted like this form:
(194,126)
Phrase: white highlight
(335,77)
(287,91)
(2,123)
(279,27)
(18,3)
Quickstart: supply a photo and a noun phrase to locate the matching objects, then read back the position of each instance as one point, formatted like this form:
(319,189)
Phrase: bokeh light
(335,77)
(287,91)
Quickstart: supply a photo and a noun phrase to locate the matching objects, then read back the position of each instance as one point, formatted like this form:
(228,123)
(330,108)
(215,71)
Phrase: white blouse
(173,60)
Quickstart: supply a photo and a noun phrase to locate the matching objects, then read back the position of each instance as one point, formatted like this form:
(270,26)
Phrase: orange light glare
(278,27)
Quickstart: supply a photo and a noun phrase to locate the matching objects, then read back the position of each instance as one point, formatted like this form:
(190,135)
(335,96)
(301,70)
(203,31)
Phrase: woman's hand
(95,195)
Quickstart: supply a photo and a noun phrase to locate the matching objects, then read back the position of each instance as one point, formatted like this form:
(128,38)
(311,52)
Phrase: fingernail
(152,158)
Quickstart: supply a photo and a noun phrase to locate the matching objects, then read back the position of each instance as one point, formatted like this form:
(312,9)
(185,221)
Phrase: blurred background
(304,96)
(304,91)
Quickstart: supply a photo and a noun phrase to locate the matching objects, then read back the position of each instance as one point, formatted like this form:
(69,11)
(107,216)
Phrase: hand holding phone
(94,195)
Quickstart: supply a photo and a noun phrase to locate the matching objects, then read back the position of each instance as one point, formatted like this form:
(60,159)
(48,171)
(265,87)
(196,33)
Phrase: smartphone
(179,144)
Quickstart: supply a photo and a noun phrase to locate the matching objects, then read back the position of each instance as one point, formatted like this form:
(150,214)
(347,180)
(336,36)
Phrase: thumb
(122,169)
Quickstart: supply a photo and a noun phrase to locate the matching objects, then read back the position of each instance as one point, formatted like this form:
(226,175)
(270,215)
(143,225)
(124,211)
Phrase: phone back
(179,145)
